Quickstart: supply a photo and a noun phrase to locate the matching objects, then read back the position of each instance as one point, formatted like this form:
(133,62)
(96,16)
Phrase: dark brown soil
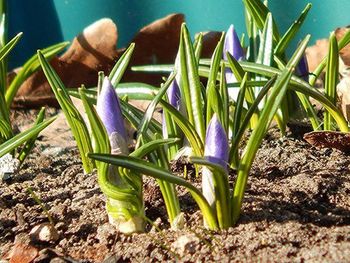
(296,209)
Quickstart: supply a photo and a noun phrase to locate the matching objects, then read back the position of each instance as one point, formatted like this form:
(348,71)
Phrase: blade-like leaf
(29,68)
(259,12)
(141,166)
(119,68)
(74,119)
(28,146)
(273,103)
(291,32)
(331,78)
(22,137)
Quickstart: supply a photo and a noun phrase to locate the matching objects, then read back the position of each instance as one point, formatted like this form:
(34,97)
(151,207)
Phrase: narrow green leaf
(331,78)
(140,166)
(5,50)
(187,128)
(276,97)
(259,12)
(22,137)
(143,127)
(119,68)
(343,42)
(28,146)
(74,119)
(29,68)
(190,84)
(292,31)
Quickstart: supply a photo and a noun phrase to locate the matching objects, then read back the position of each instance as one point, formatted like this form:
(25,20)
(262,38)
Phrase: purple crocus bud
(109,110)
(174,97)
(302,68)
(216,151)
(233,46)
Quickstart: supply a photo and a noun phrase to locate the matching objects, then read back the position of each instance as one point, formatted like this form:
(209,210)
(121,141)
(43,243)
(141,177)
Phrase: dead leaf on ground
(329,139)
(91,51)
(23,253)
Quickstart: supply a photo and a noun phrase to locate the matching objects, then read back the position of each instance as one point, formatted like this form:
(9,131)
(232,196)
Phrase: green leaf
(148,147)
(265,54)
(143,127)
(246,120)
(119,68)
(28,146)
(141,166)
(29,68)
(259,12)
(187,128)
(197,46)
(3,39)
(331,80)
(343,42)
(190,85)
(273,103)
(22,137)
(5,50)
(74,119)
(291,32)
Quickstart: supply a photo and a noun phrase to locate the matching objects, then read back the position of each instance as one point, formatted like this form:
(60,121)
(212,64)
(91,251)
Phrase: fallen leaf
(91,51)
(23,253)
(329,139)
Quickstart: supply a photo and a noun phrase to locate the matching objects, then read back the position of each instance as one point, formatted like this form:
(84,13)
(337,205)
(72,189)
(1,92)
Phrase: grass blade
(291,32)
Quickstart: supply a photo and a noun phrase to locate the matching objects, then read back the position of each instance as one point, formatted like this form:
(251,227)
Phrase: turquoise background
(45,22)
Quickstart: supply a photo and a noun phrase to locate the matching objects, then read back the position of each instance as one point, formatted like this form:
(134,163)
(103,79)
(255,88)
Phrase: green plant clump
(202,120)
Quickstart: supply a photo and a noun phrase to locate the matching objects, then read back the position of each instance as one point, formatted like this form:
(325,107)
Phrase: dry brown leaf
(91,51)
(329,139)
(23,253)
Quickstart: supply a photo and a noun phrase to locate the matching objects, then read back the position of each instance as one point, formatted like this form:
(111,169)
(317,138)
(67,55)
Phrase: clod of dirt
(45,232)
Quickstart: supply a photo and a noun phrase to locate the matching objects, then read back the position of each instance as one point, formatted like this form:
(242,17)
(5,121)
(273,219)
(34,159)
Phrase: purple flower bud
(109,110)
(216,151)
(233,45)
(216,143)
(302,68)
(174,97)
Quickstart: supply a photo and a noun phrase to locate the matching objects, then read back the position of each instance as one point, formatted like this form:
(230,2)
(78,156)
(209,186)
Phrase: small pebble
(185,244)
(44,233)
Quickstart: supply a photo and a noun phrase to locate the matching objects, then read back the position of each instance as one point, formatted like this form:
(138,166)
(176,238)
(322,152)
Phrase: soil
(296,209)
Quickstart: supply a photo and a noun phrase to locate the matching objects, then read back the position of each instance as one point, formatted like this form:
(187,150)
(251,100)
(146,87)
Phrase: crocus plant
(126,211)
(212,123)
(10,153)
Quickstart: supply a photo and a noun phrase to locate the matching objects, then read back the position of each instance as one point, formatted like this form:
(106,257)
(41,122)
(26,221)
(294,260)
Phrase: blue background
(45,22)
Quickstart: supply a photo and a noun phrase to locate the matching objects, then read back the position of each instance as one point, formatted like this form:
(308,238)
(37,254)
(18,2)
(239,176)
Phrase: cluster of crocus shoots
(208,118)
(14,148)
